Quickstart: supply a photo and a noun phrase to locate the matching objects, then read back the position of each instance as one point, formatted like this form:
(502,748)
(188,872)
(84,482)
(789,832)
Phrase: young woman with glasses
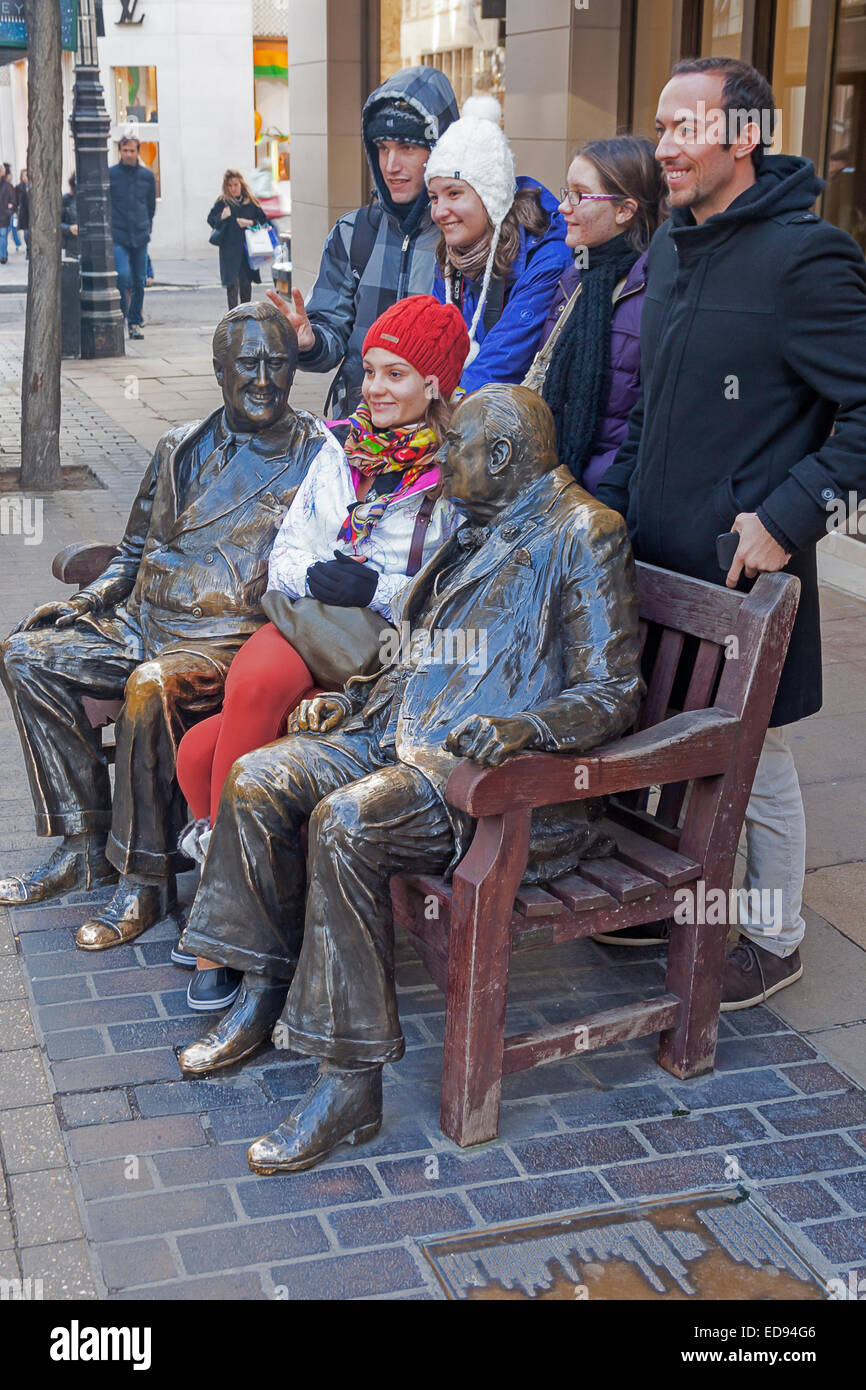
(588,365)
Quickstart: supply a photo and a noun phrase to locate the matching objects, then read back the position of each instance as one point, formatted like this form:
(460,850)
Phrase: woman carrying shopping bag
(233,213)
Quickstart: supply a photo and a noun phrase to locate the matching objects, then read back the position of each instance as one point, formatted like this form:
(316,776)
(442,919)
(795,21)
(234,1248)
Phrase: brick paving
(122,1180)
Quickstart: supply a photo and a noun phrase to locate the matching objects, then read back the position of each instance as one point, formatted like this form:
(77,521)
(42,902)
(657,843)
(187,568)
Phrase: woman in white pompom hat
(502,249)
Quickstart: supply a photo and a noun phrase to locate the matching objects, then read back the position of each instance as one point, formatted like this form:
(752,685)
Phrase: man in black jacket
(22,193)
(753,344)
(133,204)
(8,204)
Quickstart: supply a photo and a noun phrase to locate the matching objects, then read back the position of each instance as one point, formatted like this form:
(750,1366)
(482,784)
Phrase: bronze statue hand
(489,741)
(319,715)
(61,612)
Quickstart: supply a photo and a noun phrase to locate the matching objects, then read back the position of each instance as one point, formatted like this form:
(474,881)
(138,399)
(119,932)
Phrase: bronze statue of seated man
(543,575)
(158,629)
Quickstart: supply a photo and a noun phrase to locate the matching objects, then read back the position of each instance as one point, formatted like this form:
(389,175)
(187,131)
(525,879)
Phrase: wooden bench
(698,738)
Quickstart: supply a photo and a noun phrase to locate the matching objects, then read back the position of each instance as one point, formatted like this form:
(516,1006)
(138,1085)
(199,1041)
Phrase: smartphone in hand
(726,548)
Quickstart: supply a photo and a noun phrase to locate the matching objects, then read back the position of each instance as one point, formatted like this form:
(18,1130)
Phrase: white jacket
(310,530)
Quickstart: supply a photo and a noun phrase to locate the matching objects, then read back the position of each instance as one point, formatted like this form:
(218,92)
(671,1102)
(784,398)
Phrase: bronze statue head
(255,353)
(501,438)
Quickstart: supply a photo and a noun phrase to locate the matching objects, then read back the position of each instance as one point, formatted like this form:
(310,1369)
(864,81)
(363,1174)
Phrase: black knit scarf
(576,374)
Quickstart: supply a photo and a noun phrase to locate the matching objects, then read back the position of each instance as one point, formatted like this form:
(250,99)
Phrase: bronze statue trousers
(46,672)
(326,925)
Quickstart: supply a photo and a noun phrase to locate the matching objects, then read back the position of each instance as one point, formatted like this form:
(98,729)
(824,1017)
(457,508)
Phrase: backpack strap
(422,522)
(495,302)
(364,234)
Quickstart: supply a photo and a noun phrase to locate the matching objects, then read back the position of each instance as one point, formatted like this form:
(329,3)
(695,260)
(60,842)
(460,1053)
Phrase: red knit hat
(430,336)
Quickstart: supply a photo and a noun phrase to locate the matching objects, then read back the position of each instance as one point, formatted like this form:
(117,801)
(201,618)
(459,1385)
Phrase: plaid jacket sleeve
(331,305)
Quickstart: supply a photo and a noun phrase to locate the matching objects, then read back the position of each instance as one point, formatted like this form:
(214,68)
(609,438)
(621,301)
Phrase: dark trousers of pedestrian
(240,291)
(130,262)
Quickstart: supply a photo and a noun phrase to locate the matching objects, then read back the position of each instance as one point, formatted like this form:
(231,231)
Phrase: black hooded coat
(753,346)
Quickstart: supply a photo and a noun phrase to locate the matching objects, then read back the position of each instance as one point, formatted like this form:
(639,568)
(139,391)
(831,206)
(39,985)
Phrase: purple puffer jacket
(623,384)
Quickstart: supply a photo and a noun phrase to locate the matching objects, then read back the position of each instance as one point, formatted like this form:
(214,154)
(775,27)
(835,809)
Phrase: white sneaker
(190,841)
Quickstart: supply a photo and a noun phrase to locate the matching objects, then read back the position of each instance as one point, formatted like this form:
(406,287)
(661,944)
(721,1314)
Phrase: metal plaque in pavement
(713,1246)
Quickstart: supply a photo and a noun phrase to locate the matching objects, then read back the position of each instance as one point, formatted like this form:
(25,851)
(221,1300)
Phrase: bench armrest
(81,564)
(699,743)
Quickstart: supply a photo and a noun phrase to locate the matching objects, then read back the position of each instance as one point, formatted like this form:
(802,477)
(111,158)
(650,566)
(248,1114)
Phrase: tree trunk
(40,384)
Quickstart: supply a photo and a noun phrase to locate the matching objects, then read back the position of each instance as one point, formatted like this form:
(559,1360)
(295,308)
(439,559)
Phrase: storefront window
(465,39)
(135,95)
(790,58)
(136,113)
(845,195)
(652,62)
(271,116)
(722,27)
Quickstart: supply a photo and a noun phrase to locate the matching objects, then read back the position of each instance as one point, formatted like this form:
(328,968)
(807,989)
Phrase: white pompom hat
(475,150)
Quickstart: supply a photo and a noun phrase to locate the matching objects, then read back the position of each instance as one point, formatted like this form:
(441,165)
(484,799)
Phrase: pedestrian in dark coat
(233,212)
(753,347)
(8,204)
(133,204)
(69,219)
(588,364)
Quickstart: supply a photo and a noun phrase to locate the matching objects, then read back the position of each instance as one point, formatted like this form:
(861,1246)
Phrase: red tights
(266,680)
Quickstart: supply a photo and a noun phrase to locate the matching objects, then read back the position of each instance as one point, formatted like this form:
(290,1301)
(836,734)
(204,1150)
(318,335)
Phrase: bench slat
(623,883)
(661,681)
(701,683)
(664,865)
(534,902)
(579,895)
(594,1030)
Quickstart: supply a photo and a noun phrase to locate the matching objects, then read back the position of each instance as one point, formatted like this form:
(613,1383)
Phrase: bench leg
(478,954)
(696,962)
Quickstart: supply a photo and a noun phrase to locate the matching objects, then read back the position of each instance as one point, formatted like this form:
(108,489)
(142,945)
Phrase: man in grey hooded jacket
(384,251)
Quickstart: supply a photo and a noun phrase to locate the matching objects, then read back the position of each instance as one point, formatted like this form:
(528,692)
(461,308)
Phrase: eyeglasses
(575,197)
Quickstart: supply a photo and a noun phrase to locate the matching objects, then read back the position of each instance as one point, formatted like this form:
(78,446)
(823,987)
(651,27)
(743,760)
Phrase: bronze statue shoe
(67,869)
(134,908)
(248,1023)
(341,1107)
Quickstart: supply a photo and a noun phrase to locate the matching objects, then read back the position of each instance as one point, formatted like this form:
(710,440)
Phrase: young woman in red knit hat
(352,537)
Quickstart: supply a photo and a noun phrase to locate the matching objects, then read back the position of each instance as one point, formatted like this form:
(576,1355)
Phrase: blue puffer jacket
(505,353)
(133,203)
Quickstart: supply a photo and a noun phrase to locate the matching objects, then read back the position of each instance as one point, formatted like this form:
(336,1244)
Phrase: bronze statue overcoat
(551,585)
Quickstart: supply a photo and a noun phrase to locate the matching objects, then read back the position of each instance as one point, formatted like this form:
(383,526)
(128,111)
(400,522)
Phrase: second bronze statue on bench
(546,575)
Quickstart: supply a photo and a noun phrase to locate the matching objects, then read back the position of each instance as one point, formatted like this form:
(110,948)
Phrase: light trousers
(771,914)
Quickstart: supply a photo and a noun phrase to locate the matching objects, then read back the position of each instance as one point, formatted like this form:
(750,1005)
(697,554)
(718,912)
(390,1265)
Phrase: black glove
(343,581)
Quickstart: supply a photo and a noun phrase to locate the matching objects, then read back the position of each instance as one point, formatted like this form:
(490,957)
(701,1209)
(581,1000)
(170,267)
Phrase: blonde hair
(246,195)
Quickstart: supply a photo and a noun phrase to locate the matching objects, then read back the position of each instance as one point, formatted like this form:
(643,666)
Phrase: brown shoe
(134,908)
(248,1023)
(341,1107)
(752,974)
(68,868)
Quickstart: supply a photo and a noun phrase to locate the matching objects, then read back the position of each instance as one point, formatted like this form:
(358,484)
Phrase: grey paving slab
(31,1139)
(45,1206)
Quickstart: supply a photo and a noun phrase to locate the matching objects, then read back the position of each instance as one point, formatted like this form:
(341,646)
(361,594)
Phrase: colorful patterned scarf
(371,451)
